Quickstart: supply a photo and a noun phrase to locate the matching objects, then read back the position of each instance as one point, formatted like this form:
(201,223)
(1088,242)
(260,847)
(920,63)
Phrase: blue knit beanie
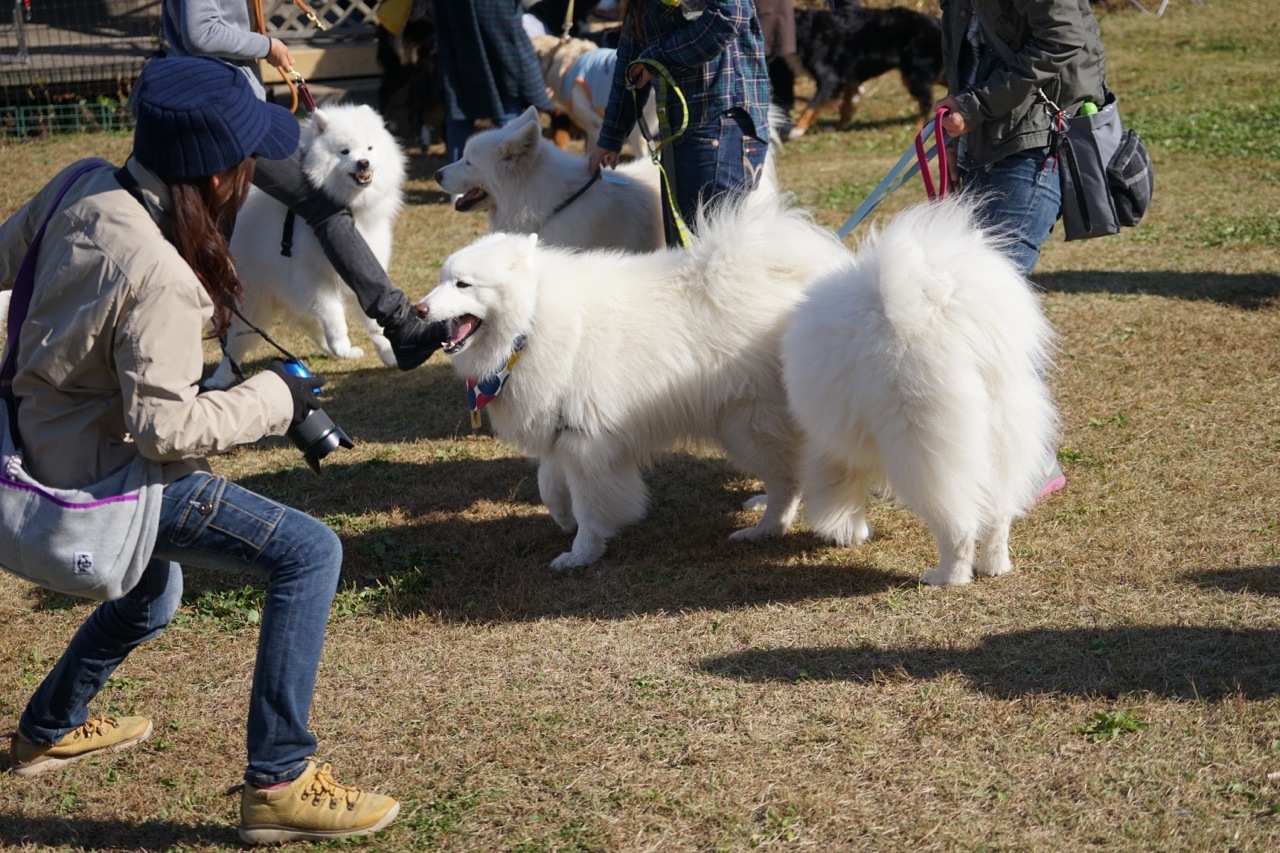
(197,116)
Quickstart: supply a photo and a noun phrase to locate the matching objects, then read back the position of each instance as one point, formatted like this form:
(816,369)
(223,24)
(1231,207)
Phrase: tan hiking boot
(314,807)
(97,735)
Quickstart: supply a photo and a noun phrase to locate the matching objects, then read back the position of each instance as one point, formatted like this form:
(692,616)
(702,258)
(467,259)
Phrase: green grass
(1119,691)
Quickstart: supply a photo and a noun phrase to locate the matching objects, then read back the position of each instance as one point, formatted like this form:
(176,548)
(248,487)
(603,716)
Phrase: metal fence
(67,65)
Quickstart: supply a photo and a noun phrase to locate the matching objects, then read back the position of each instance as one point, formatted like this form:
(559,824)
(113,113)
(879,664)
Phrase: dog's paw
(845,533)
(760,531)
(953,576)
(351,352)
(992,565)
(759,502)
(570,560)
(795,133)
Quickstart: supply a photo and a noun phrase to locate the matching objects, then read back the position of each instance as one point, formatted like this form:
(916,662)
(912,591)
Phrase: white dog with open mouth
(594,362)
(529,186)
(351,157)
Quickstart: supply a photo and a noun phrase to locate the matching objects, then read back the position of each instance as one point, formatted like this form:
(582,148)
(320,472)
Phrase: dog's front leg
(607,493)
(554,490)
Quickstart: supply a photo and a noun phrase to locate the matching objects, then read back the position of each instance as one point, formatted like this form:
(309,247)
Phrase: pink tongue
(462,329)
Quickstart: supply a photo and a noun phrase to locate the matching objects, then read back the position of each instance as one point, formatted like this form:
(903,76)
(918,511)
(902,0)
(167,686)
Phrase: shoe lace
(95,726)
(324,785)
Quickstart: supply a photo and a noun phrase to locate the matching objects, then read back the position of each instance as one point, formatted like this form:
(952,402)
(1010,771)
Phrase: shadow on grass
(1172,661)
(43,833)
(1250,291)
(1262,580)
(480,542)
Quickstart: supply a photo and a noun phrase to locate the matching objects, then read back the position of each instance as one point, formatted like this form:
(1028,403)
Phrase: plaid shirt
(716,57)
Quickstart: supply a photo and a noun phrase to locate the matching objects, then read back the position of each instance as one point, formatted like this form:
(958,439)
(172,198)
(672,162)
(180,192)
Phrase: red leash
(940,192)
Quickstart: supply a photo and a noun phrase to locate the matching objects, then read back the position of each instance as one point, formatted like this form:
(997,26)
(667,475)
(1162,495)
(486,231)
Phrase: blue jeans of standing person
(458,130)
(716,161)
(210,523)
(1022,197)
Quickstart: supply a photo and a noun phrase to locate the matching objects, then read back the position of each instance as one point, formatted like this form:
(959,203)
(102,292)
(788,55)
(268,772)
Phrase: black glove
(413,339)
(303,390)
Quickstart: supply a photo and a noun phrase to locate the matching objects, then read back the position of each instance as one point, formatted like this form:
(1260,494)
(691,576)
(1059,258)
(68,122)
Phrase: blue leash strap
(897,176)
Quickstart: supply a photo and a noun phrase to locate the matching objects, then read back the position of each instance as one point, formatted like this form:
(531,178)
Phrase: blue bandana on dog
(482,392)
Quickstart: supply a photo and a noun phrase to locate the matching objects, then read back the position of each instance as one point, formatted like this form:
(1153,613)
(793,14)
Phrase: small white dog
(594,362)
(919,365)
(579,75)
(351,157)
(529,186)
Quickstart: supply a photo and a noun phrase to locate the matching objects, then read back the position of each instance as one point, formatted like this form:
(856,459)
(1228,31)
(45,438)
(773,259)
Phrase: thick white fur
(630,354)
(520,178)
(304,289)
(920,365)
(585,108)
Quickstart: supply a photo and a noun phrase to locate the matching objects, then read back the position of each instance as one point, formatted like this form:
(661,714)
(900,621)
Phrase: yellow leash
(663,83)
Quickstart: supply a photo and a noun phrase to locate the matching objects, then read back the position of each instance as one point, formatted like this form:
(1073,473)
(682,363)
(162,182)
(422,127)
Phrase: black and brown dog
(844,48)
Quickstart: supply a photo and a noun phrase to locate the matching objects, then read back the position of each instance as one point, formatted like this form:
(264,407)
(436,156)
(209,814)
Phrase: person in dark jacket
(1010,67)
(487,66)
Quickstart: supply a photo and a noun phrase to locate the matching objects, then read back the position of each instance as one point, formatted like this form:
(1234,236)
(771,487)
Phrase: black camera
(317,435)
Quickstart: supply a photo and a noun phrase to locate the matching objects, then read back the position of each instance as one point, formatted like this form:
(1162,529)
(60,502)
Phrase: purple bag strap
(24,285)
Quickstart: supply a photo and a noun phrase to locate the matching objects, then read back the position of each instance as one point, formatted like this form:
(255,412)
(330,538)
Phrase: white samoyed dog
(919,365)
(611,358)
(349,155)
(528,186)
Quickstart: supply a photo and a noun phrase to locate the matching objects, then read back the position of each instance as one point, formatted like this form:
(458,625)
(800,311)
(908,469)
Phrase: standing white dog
(597,361)
(920,365)
(529,186)
(351,157)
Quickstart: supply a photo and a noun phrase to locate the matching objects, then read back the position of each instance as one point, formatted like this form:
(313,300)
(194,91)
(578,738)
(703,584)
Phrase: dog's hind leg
(240,342)
(330,313)
(993,551)
(835,499)
(955,555)
(774,463)
(379,341)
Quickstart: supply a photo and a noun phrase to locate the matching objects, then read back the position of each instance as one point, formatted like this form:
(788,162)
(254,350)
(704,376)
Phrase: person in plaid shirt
(714,53)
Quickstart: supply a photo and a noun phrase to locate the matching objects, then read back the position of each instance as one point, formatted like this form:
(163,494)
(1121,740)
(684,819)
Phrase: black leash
(571,199)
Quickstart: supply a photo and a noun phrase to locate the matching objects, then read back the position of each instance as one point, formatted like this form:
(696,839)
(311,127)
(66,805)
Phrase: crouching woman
(131,265)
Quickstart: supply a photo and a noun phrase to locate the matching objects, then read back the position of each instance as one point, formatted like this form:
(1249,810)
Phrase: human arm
(159,360)
(1056,36)
(206,30)
(697,41)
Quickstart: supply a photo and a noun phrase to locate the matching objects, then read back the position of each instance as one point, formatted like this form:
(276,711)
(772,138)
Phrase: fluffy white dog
(529,186)
(597,361)
(920,365)
(351,157)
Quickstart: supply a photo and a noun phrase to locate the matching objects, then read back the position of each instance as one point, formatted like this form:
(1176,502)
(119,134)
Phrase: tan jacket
(111,352)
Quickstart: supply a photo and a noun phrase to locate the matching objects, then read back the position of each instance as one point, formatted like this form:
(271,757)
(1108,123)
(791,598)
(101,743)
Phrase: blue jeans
(716,161)
(1021,198)
(210,523)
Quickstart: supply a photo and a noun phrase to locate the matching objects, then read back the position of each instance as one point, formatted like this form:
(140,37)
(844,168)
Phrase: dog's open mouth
(460,331)
(470,199)
(362,177)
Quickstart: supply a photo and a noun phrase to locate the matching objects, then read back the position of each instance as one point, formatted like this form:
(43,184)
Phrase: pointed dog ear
(319,120)
(523,142)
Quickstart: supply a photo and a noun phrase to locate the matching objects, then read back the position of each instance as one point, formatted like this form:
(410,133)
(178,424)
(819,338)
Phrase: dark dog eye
(346,151)
(462,285)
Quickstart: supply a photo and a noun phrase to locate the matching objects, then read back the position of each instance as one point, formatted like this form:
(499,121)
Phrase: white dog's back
(921,362)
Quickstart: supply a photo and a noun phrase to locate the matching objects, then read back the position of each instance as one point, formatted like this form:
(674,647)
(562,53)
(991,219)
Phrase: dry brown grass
(687,694)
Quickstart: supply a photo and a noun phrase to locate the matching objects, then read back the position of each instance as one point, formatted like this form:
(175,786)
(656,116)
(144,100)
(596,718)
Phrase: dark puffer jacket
(1057,45)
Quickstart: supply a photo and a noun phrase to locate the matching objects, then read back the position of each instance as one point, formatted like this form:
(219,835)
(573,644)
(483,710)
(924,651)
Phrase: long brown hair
(203,218)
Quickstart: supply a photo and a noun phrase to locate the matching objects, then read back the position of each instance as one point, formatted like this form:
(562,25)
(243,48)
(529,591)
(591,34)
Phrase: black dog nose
(439,172)
(362,164)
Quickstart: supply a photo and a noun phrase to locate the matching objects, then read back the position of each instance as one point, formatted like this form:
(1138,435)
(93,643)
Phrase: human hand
(638,76)
(601,157)
(279,55)
(303,390)
(953,124)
